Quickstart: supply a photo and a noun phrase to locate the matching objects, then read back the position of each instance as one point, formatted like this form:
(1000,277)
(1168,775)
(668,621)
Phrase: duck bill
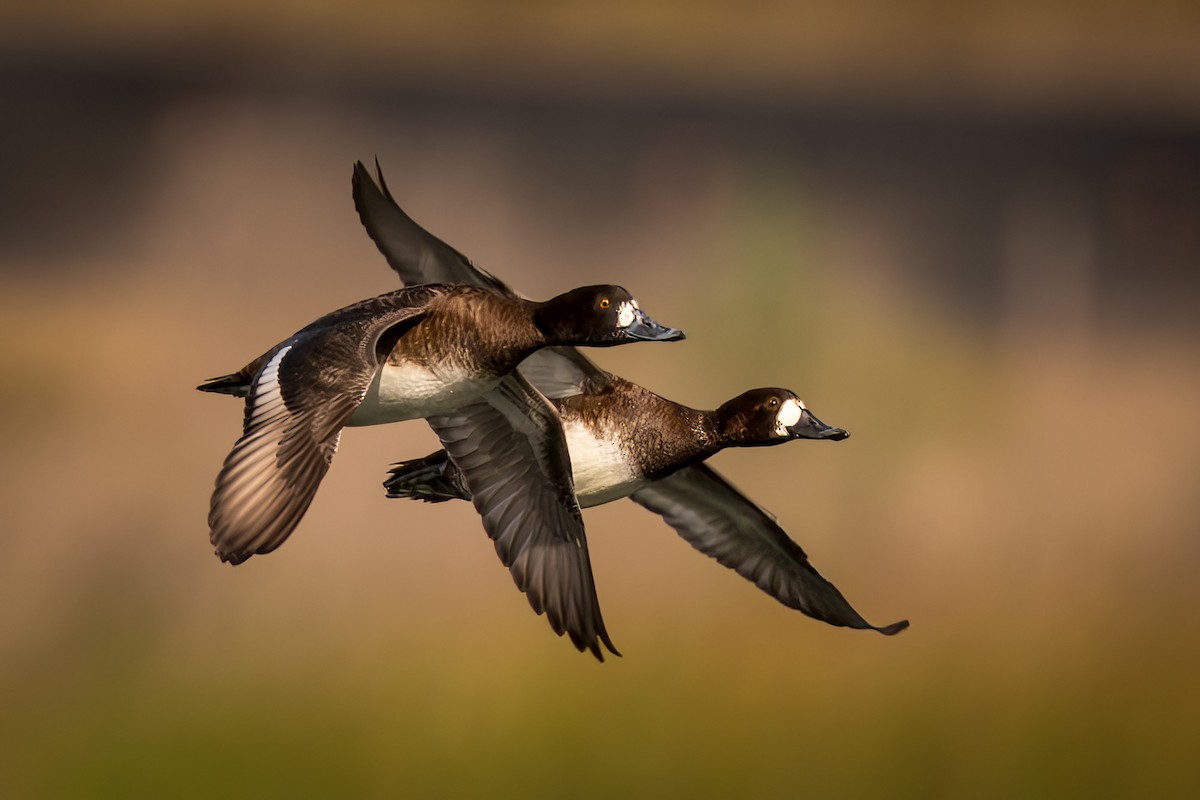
(644,329)
(809,427)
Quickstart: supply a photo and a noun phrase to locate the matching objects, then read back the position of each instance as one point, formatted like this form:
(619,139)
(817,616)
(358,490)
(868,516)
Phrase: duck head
(772,416)
(599,316)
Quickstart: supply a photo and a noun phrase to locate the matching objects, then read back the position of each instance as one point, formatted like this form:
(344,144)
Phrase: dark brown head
(598,316)
(771,416)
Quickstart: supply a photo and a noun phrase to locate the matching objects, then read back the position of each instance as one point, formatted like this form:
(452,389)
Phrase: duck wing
(414,253)
(510,448)
(418,256)
(721,522)
(296,407)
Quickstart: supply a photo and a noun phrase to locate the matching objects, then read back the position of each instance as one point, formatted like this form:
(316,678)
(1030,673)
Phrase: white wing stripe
(268,399)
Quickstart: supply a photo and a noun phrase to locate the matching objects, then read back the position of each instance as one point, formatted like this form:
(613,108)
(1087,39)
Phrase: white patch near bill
(788,415)
(625,313)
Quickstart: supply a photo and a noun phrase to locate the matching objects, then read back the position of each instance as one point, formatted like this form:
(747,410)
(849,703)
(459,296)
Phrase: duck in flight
(625,441)
(445,353)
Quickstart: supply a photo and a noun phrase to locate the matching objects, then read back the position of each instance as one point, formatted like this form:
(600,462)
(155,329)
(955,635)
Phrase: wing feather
(414,253)
(510,448)
(721,522)
(295,409)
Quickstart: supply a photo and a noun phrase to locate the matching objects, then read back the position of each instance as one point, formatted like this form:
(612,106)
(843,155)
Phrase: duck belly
(414,391)
(599,466)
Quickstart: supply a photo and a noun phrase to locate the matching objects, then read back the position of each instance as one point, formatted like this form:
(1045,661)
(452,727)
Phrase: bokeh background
(967,232)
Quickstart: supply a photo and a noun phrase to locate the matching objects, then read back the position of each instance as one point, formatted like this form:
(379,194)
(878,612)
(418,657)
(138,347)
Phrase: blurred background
(970,235)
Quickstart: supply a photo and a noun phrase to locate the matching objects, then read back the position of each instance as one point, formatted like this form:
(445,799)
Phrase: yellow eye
(604,302)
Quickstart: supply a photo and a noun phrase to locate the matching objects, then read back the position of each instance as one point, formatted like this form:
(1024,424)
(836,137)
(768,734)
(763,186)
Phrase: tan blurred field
(1021,482)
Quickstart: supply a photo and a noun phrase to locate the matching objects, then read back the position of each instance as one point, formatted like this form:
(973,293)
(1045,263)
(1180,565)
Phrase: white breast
(411,391)
(598,466)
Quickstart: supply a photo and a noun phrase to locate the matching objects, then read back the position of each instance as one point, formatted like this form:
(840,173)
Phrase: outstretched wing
(414,253)
(510,448)
(721,522)
(295,410)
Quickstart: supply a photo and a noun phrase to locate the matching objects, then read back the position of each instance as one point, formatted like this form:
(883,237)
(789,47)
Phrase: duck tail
(235,383)
(433,479)
(238,383)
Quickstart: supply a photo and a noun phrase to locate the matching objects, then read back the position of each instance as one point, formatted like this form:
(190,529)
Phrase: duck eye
(605,302)
(773,402)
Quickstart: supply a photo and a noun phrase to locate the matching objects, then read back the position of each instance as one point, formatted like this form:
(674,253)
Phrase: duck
(445,353)
(625,441)
(622,437)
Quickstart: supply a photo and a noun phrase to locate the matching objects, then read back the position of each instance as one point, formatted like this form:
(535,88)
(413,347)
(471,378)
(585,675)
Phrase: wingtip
(612,648)
(358,181)
(594,648)
(232,559)
(383,187)
(894,628)
(362,182)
